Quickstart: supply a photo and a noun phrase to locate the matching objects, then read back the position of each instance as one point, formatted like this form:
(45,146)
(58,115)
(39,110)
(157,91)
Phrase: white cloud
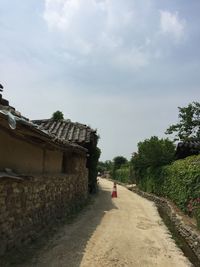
(60,13)
(106,63)
(98,27)
(170,23)
(133,60)
(124,35)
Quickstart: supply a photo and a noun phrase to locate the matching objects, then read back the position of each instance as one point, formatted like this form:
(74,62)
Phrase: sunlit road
(126,231)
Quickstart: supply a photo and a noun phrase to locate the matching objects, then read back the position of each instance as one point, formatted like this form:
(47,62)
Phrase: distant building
(187,148)
(25,148)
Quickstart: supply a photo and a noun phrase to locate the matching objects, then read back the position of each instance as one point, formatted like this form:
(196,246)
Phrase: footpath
(125,231)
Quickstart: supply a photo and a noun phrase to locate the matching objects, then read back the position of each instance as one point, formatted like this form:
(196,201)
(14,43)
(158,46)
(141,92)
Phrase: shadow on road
(75,242)
(65,246)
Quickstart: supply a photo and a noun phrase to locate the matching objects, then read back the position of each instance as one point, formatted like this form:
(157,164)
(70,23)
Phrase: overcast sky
(120,66)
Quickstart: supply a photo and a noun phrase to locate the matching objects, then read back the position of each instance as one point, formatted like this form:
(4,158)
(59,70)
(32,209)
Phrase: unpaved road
(126,231)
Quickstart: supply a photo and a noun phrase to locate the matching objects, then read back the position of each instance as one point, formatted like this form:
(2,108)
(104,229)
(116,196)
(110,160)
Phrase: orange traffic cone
(114,192)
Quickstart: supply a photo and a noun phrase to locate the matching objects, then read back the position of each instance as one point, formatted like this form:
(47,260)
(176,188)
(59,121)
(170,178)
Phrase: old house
(27,149)
(187,148)
(42,177)
(75,133)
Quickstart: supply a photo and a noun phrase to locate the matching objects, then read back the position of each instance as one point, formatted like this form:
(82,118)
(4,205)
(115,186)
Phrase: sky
(122,67)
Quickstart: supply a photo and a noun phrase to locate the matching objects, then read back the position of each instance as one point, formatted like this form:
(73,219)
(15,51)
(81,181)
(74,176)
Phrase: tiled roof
(62,132)
(16,121)
(189,144)
(66,130)
(187,148)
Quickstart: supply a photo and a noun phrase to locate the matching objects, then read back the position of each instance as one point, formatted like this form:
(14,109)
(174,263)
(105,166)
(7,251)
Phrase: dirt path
(126,231)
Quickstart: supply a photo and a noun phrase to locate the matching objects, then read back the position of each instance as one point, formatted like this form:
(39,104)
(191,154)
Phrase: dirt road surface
(122,232)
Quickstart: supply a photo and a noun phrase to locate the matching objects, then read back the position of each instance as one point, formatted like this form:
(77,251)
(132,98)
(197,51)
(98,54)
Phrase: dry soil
(125,231)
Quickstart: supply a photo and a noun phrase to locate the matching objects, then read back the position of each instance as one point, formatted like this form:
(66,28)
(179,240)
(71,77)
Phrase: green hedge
(179,181)
(122,175)
(152,181)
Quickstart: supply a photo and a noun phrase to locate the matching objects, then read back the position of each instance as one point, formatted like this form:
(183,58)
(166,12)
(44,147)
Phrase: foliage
(133,174)
(152,180)
(101,167)
(197,216)
(152,153)
(105,166)
(92,165)
(123,174)
(179,182)
(108,165)
(193,205)
(57,116)
(119,161)
(153,169)
(119,168)
(188,127)
(193,209)
(182,181)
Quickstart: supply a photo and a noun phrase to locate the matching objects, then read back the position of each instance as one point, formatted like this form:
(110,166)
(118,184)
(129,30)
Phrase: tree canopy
(57,115)
(188,127)
(105,166)
(153,152)
(119,161)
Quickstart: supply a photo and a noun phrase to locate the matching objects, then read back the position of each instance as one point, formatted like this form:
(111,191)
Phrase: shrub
(153,180)
(182,181)
(193,208)
(179,181)
(57,115)
(152,153)
(123,174)
(197,216)
(95,153)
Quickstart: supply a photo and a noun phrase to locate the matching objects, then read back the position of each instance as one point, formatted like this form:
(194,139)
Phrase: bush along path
(179,181)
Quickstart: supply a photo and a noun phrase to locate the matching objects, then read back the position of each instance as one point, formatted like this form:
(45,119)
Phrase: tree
(101,167)
(108,165)
(105,166)
(118,162)
(188,127)
(95,153)
(153,152)
(57,116)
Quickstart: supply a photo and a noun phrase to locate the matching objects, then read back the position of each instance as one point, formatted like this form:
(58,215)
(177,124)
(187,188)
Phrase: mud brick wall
(29,206)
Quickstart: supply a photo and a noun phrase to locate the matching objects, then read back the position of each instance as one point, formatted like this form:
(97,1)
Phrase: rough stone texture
(27,207)
(191,236)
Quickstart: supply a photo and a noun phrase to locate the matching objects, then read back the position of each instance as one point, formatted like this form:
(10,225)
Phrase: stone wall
(190,235)
(29,205)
